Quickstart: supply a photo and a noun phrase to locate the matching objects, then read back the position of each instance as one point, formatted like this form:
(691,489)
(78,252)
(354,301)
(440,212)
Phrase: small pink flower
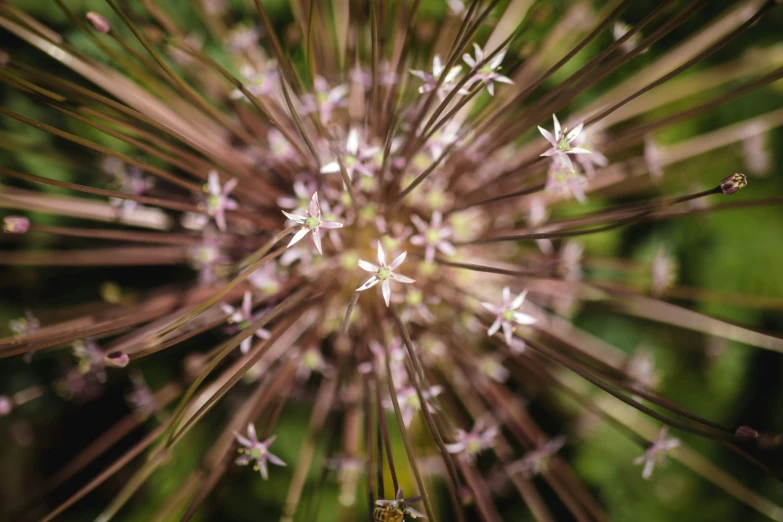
(242,317)
(311,223)
(656,453)
(217,200)
(487,73)
(475,441)
(325,100)
(258,452)
(431,79)
(537,461)
(562,144)
(16,225)
(507,315)
(433,236)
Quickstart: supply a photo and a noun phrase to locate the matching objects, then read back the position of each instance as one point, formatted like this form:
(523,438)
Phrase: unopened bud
(733,183)
(116,359)
(16,224)
(746,432)
(99,23)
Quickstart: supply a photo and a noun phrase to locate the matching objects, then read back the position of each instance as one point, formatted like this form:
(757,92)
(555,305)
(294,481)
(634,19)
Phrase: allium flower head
(256,452)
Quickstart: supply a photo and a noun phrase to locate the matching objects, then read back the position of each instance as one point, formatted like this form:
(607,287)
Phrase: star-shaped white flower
(217,200)
(433,236)
(311,223)
(383,273)
(431,79)
(507,314)
(487,74)
(656,453)
(561,142)
(356,158)
(255,451)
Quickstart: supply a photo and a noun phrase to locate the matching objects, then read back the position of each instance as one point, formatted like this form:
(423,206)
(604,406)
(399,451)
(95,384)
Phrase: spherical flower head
(311,223)
(562,144)
(16,225)
(401,504)
(656,453)
(256,452)
(217,200)
(384,273)
(507,315)
(733,183)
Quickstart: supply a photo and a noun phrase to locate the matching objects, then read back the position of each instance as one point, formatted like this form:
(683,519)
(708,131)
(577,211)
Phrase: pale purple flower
(89,359)
(280,148)
(311,223)
(641,370)
(217,200)
(258,83)
(508,315)
(255,451)
(242,37)
(562,144)
(386,75)
(441,140)
(311,361)
(205,256)
(409,401)
(356,157)
(416,305)
(656,453)
(25,325)
(384,273)
(16,225)
(325,100)
(473,442)
(664,271)
(487,73)
(432,236)
(536,461)
(431,79)
(267,279)
(565,182)
(242,317)
(141,398)
(401,504)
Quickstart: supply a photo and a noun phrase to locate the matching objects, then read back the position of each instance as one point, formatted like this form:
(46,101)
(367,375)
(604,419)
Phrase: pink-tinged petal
(415,513)
(508,331)
(437,66)
(317,241)
(506,296)
(381,255)
(242,460)
(229,186)
(504,79)
(469,60)
(227,309)
(251,432)
(274,459)
(491,89)
(262,468)
(579,150)
(575,132)
(368,284)
(556,127)
(495,327)
(491,307)
(365,265)
(419,223)
(565,160)
(548,137)
(330,224)
(420,74)
(263,333)
(418,240)
(220,220)
(247,304)
(447,248)
(456,447)
(314,208)
(518,300)
(549,152)
(242,439)
(398,261)
(330,168)
(294,217)
(386,290)
(268,442)
(649,466)
(401,278)
(298,236)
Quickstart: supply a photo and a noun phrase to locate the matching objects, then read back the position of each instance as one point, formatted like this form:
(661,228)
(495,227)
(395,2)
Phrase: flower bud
(733,183)
(99,23)
(746,432)
(16,224)
(116,359)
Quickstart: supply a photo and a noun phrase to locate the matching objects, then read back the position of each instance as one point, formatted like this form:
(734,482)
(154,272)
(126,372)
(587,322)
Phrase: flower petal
(518,300)
(381,255)
(544,133)
(368,284)
(366,265)
(397,261)
(386,290)
(401,278)
(330,168)
(294,217)
(298,236)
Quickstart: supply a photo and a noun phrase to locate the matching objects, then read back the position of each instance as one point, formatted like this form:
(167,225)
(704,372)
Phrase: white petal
(521,318)
(251,432)
(544,133)
(330,168)
(397,261)
(294,217)
(469,60)
(491,307)
(437,66)
(401,278)
(575,132)
(314,208)
(557,126)
(386,289)
(506,296)
(213,181)
(330,224)
(298,236)
(317,241)
(508,331)
(494,328)
(365,265)
(518,300)
(579,150)
(381,255)
(352,144)
(229,186)
(368,284)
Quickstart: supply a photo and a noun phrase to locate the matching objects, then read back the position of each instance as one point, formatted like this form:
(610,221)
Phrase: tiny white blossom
(507,314)
(473,442)
(431,79)
(433,236)
(384,273)
(487,73)
(242,317)
(561,142)
(355,158)
(537,461)
(656,453)
(311,223)
(255,451)
(217,200)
